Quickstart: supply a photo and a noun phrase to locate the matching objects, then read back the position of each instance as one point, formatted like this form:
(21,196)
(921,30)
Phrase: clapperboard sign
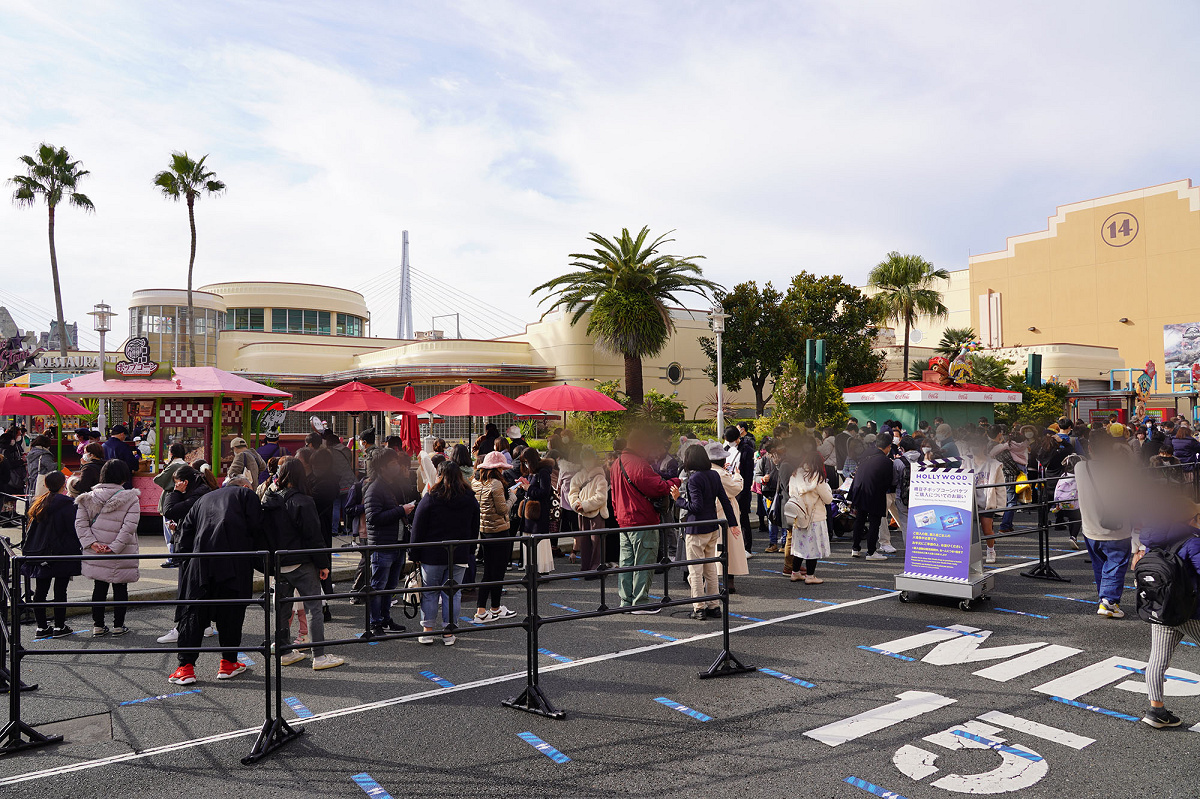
(942,552)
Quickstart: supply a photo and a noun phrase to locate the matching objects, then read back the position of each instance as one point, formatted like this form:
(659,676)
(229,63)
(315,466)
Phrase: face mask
(1030,435)
(895,439)
(927,450)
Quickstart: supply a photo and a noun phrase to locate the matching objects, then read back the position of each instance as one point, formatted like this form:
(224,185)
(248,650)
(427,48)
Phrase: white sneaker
(990,555)
(646,612)
(502,613)
(448,640)
(856,553)
(170,638)
(210,631)
(427,640)
(295,656)
(888,549)
(749,554)
(877,556)
(483,618)
(327,662)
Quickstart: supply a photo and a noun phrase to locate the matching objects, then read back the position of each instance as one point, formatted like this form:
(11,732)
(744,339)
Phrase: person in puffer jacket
(588,495)
(106,522)
(39,462)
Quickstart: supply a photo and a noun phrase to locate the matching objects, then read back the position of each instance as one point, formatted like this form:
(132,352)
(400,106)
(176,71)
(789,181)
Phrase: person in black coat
(189,486)
(868,492)
(51,532)
(741,439)
(290,522)
(228,519)
(449,512)
(700,497)
(538,481)
(389,501)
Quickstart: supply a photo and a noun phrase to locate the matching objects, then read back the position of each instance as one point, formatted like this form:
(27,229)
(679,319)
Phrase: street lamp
(102,315)
(718,316)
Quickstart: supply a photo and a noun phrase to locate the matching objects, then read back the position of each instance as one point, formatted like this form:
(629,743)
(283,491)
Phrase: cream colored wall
(447,351)
(268,295)
(201,298)
(292,353)
(1071,286)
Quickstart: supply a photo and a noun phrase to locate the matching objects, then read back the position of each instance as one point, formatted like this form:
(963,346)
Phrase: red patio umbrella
(471,399)
(410,433)
(570,398)
(355,398)
(21,401)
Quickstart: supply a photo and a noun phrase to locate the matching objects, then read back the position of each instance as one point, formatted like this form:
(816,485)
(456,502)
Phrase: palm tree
(53,176)
(904,285)
(953,339)
(187,180)
(625,284)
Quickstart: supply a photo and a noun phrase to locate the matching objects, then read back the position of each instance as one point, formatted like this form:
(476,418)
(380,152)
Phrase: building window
(299,320)
(674,374)
(349,325)
(245,319)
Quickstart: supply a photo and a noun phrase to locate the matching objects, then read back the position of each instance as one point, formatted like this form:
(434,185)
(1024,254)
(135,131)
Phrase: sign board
(136,364)
(941,519)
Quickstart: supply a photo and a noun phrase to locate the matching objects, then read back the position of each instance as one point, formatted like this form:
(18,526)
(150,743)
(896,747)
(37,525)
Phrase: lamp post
(102,316)
(718,316)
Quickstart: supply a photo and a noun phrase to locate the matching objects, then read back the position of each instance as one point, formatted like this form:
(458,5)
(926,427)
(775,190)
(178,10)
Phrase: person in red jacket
(636,488)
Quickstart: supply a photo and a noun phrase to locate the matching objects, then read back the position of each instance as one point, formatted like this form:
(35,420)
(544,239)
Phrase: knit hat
(513,432)
(1116,430)
(494,460)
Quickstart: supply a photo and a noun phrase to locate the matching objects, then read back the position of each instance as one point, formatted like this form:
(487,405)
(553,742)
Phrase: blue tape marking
(543,747)
(870,787)
(885,652)
(245,659)
(160,696)
(833,563)
(999,747)
(658,635)
(773,571)
(1073,599)
(818,601)
(1188,643)
(687,711)
(1166,676)
(299,708)
(564,607)
(429,675)
(471,621)
(747,618)
(788,678)
(372,643)
(1095,709)
(1022,613)
(556,656)
(876,588)
(960,632)
(372,788)
(51,637)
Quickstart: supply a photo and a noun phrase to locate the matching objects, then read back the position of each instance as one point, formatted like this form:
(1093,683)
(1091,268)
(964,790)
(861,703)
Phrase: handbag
(531,509)
(413,580)
(1023,489)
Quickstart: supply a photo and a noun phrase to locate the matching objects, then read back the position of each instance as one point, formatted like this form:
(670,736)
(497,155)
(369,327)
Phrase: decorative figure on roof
(939,371)
(961,368)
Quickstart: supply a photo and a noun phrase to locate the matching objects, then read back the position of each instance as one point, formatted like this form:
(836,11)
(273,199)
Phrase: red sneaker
(230,669)
(184,675)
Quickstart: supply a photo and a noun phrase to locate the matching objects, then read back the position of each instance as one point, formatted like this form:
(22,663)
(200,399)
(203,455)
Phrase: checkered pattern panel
(185,413)
(231,414)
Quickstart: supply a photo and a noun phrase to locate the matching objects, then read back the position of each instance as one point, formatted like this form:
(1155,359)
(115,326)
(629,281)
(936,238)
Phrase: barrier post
(5,633)
(1043,570)
(16,735)
(532,700)
(726,663)
(276,732)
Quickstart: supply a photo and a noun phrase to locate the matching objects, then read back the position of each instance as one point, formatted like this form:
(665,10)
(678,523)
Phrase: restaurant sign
(137,363)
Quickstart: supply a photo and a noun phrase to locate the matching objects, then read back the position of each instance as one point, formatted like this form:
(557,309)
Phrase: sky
(771,137)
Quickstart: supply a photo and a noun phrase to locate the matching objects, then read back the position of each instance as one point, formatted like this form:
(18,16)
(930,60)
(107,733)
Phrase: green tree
(625,284)
(905,290)
(1039,406)
(52,175)
(953,340)
(825,307)
(758,336)
(188,180)
(818,398)
(990,371)
(917,369)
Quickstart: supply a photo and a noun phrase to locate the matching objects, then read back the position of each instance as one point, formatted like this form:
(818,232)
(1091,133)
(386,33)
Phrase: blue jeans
(1110,562)
(776,533)
(432,575)
(1006,521)
(385,575)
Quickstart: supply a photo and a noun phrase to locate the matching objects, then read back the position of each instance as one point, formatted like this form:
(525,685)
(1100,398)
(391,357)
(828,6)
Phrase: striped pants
(1163,640)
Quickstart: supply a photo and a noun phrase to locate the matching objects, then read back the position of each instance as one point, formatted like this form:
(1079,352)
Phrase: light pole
(717,316)
(102,316)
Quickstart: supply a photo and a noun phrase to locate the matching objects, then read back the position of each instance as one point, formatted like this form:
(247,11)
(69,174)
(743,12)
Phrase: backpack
(1165,586)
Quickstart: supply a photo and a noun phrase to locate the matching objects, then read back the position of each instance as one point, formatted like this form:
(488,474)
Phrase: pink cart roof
(188,381)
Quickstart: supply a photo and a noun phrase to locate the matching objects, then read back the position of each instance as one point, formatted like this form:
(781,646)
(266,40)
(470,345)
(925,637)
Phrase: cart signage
(137,363)
(941,510)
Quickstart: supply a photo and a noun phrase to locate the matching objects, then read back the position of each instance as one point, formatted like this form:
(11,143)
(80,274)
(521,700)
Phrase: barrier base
(17,736)
(1044,571)
(532,700)
(4,682)
(726,665)
(274,735)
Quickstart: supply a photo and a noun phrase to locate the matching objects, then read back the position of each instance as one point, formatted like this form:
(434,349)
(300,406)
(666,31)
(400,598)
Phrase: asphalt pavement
(1020,696)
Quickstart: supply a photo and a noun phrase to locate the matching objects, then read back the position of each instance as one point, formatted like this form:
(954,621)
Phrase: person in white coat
(588,495)
(106,522)
(806,512)
(988,496)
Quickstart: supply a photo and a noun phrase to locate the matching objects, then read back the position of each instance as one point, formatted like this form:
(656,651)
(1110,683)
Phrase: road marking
(909,705)
(471,621)
(965,649)
(1037,729)
(543,747)
(1073,599)
(976,634)
(1022,613)
(555,656)
(245,659)
(885,652)
(869,787)
(818,601)
(1089,678)
(773,571)
(299,708)
(1003,672)
(659,635)
(371,643)
(564,607)
(747,618)
(1165,676)
(877,588)
(919,640)
(367,707)
(788,678)
(160,696)
(999,747)
(372,788)
(1103,710)
(684,709)
(429,675)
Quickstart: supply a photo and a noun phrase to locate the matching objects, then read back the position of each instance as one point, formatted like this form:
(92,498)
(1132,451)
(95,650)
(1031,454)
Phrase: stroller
(841,515)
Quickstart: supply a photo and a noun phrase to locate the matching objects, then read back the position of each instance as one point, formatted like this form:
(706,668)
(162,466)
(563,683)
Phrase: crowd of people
(647,501)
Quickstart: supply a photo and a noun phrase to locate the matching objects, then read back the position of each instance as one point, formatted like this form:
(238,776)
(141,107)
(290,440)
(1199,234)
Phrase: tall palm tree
(625,284)
(52,175)
(187,180)
(905,290)
(953,339)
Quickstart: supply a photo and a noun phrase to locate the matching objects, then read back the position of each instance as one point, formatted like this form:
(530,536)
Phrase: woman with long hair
(488,486)
(704,491)
(106,523)
(51,532)
(448,512)
(809,496)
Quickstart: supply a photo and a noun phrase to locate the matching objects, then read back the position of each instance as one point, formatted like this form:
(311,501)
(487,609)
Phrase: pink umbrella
(570,398)
(21,401)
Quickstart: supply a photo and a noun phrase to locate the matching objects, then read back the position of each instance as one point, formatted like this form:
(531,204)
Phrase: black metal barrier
(15,516)
(1042,501)
(276,732)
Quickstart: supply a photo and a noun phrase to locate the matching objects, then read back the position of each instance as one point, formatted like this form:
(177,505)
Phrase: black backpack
(1165,585)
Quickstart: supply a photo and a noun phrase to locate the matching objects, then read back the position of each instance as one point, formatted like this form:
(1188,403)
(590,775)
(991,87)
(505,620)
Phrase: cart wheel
(965,604)
(904,597)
